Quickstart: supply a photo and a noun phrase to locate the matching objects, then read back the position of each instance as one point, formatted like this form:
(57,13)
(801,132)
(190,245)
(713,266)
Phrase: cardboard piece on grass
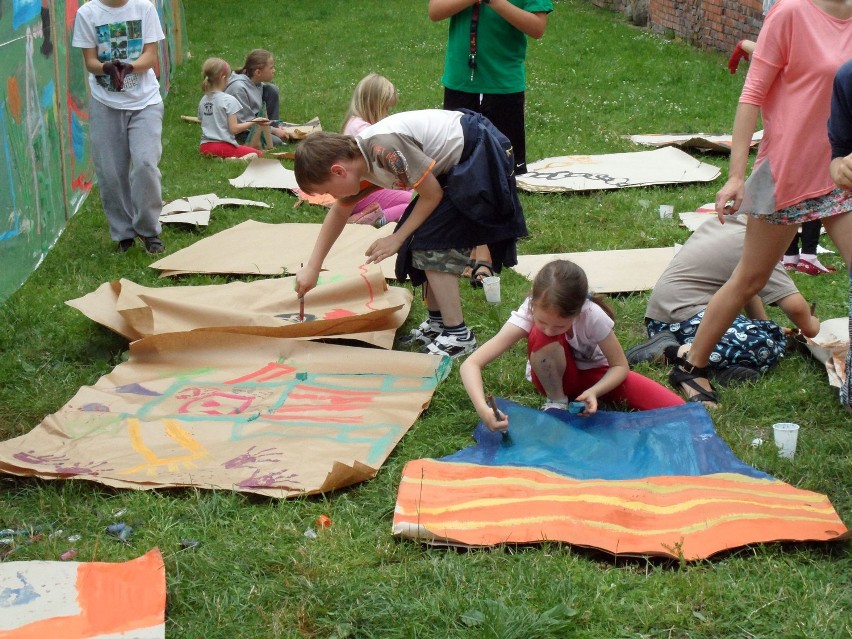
(196,209)
(620,271)
(260,137)
(277,417)
(84,600)
(830,346)
(301,131)
(667,165)
(658,482)
(257,248)
(265,173)
(356,304)
(698,141)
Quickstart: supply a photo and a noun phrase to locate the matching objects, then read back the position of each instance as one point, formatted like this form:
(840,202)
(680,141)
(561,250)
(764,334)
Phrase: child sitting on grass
(218,114)
(572,350)
(461,167)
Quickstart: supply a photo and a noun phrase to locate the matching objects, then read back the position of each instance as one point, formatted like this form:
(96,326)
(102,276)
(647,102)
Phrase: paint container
(666,211)
(68,555)
(491,286)
(786,436)
(323,521)
(575,408)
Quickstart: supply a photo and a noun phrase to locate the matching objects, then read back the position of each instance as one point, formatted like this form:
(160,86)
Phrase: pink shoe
(813,268)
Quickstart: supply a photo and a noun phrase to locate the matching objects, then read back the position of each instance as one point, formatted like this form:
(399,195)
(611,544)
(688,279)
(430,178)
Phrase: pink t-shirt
(590,328)
(799,49)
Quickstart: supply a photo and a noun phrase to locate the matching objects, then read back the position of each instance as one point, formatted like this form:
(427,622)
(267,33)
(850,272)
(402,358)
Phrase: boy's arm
(754,309)
(332,227)
(148,59)
(528,23)
(429,195)
(442,9)
(798,310)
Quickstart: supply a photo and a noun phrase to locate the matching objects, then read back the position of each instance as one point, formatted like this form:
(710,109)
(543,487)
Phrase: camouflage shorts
(441,260)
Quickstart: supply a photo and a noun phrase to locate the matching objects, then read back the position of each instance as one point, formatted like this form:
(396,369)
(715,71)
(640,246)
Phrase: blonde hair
(212,72)
(373,98)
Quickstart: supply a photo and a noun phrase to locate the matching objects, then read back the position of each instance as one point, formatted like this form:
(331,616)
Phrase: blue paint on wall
(24,11)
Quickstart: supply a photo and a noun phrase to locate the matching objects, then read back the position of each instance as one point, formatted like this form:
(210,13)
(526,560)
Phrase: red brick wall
(708,24)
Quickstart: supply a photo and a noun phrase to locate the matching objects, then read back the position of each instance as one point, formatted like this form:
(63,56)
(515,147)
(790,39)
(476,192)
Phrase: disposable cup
(666,211)
(491,286)
(786,435)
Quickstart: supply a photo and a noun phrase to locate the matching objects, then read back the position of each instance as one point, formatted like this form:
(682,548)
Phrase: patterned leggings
(756,344)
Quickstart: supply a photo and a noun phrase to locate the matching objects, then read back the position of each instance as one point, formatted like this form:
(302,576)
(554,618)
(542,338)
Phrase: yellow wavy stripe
(174,431)
(646,485)
(700,526)
(614,501)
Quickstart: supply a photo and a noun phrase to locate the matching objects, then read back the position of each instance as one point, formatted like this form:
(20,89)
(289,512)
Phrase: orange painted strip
(486,505)
(114,598)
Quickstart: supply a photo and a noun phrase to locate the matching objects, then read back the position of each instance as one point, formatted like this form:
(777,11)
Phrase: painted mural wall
(45,168)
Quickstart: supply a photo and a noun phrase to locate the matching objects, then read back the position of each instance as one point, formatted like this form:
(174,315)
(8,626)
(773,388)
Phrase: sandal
(467,273)
(481,270)
(684,374)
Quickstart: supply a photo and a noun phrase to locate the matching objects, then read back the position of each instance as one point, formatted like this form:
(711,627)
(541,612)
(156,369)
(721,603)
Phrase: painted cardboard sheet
(830,347)
(698,141)
(667,165)
(265,173)
(196,209)
(620,271)
(258,248)
(83,600)
(277,417)
(645,483)
(356,304)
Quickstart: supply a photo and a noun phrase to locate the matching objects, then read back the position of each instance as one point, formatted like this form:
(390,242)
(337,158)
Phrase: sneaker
(734,375)
(790,265)
(653,349)
(423,335)
(125,245)
(554,404)
(813,267)
(154,244)
(451,345)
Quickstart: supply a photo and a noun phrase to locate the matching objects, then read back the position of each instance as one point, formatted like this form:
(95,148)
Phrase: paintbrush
(302,309)
(493,404)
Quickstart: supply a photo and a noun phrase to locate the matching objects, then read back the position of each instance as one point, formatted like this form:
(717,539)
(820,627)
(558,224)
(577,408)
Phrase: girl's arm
(612,379)
(471,373)
(235,126)
(332,227)
(429,193)
(745,123)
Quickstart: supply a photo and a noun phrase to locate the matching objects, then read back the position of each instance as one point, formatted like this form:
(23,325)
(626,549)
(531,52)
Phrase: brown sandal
(684,374)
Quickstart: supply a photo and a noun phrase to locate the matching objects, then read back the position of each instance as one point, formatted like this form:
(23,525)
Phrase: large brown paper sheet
(699,141)
(667,165)
(265,173)
(196,209)
(356,304)
(277,417)
(622,271)
(257,248)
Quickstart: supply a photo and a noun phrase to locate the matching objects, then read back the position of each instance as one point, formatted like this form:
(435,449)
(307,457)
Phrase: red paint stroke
(13,97)
(372,295)
(80,183)
(337,313)
(268,373)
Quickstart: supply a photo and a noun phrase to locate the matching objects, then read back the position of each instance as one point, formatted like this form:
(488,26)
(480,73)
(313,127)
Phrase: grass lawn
(592,79)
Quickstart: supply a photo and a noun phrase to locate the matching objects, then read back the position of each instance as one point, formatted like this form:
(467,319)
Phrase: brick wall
(707,24)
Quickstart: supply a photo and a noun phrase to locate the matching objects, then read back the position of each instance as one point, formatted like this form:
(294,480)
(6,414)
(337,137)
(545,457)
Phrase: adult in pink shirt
(799,50)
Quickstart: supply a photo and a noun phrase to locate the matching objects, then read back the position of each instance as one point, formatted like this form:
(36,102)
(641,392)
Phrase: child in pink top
(372,100)
(573,352)
(800,47)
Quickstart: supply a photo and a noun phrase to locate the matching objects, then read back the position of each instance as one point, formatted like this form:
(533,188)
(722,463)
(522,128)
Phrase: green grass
(592,79)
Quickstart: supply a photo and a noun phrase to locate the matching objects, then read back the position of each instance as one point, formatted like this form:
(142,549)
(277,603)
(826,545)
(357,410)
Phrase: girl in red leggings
(573,353)
(218,114)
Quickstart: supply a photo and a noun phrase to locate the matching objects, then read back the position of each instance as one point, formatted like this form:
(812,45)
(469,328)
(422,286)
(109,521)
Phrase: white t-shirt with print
(120,33)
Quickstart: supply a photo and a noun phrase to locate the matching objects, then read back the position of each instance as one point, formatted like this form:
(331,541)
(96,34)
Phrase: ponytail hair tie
(590,296)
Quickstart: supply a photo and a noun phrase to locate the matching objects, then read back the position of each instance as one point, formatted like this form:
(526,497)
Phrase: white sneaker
(560,404)
(451,345)
(423,335)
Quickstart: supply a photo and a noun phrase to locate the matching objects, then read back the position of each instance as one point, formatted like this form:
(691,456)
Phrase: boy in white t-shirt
(119,42)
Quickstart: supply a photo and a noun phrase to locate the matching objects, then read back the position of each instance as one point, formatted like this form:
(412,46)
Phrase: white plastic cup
(666,211)
(786,436)
(491,286)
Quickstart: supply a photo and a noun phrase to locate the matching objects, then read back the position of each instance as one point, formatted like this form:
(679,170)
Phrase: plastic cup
(666,211)
(491,286)
(786,435)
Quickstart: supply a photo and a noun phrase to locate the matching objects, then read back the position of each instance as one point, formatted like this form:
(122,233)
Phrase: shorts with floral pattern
(441,260)
(846,389)
(755,344)
(835,203)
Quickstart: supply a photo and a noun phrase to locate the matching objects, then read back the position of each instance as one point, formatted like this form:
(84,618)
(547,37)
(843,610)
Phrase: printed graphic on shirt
(207,108)
(119,41)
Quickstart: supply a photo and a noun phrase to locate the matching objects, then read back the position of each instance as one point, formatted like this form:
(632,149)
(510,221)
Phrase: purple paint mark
(94,408)
(29,457)
(137,389)
(251,457)
(270,480)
